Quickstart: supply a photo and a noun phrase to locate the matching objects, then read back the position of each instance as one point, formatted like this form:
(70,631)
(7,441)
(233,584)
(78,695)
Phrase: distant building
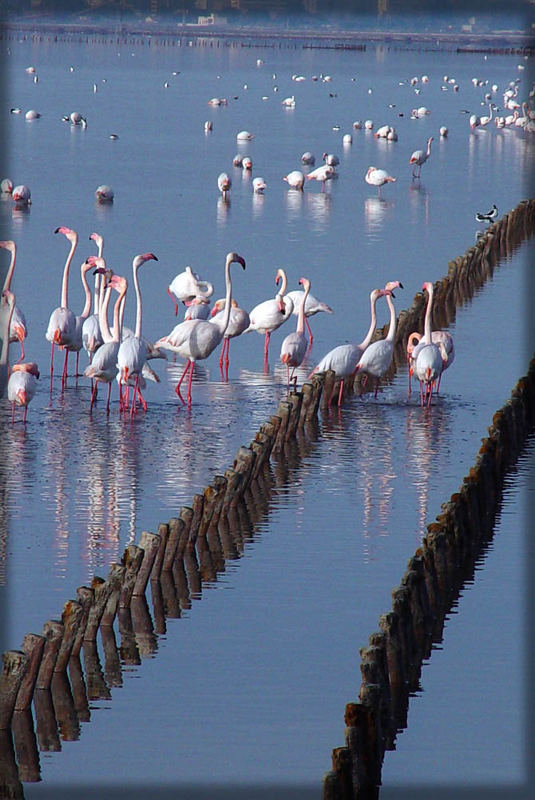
(211,19)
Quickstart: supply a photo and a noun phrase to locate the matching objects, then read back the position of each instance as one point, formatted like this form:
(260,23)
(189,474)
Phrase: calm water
(237,679)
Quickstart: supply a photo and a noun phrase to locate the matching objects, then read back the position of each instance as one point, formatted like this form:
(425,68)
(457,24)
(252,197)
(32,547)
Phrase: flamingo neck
(87,290)
(6,312)
(371,330)
(117,316)
(103,317)
(99,282)
(7,282)
(392,328)
(428,147)
(65,282)
(427,320)
(135,268)
(301,316)
(228,298)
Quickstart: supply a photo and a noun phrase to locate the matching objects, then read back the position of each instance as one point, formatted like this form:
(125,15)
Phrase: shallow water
(282,626)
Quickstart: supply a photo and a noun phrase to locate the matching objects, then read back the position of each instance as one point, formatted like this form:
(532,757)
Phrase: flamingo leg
(189,383)
(51,363)
(25,414)
(93,396)
(21,351)
(341,391)
(109,395)
(64,375)
(421,394)
(266,345)
(141,398)
(13,413)
(376,386)
(76,375)
(227,359)
(309,330)
(177,387)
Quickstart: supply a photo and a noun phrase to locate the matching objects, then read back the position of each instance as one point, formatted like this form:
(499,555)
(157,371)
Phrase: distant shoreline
(336,39)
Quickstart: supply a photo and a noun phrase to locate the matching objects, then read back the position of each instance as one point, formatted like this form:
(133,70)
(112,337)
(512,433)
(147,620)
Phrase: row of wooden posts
(193,547)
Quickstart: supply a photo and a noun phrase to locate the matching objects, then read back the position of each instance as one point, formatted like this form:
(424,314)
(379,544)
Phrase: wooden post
(15,664)
(197,508)
(175,526)
(102,592)
(163,533)
(46,726)
(132,558)
(79,690)
(10,785)
(112,663)
(64,710)
(53,634)
(186,516)
(116,580)
(71,618)
(85,598)
(27,756)
(149,543)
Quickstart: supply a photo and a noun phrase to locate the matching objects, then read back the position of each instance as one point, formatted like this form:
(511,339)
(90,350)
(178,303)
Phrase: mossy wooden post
(53,633)
(342,763)
(175,526)
(71,618)
(84,595)
(132,558)
(14,666)
(32,645)
(283,412)
(295,400)
(149,543)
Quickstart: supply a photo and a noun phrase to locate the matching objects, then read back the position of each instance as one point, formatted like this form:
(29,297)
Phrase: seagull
(489,216)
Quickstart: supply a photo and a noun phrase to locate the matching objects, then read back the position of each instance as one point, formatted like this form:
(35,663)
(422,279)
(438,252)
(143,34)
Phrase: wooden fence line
(193,547)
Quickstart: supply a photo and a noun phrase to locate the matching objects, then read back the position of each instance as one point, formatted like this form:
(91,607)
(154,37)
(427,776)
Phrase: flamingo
(132,352)
(312,306)
(76,342)
(377,357)
(17,329)
(103,367)
(194,339)
(238,323)
(62,322)
(104,193)
(474,122)
(294,346)
(21,195)
(444,341)
(487,118)
(378,177)
(7,304)
(308,158)
(344,358)
(330,159)
(419,157)
(426,355)
(91,334)
(6,186)
(224,182)
(198,308)
(259,185)
(295,179)
(269,315)
(186,286)
(321,174)
(22,386)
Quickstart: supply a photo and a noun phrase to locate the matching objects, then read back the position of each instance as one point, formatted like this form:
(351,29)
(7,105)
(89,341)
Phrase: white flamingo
(7,304)
(321,174)
(91,334)
(344,358)
(22,386)
(62,322)
(196,339)
(377,357)
(378,177)
(186,286)
(132,353)
(269,315)
(419,157)
(295,179)
(224,182)
(18,330)
(238,323)
(294,346)
(427,356)
(312,306)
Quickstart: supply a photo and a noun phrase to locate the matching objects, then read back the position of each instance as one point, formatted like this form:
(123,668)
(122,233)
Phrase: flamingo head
(141,258)
(97,238)
(8,297)
(305,283)
(391,285)
(97,262)
(116,282)
(71,235)
(30,367)
(234,257)
(8,244)
(413,340)
(427,286)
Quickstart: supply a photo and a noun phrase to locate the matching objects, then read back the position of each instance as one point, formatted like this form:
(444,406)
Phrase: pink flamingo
(312,306)
(186,286)
(18,329)
(22,386)
(103,367)
(62,321)
(237,324)
(132,353)
(7,304)
(91,335)
(378,177)
(294,346)
(444,341)
(419,157)
(344,358)
(377,357)
(269,315)
(426,355)
(196,339)
(76,342)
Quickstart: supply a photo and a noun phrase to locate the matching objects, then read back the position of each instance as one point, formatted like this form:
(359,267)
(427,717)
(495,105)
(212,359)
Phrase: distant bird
(237,160)
(419,157)
(321,174)
(377,357)
(269,315)
(75,117)
(22,386)
(6,186)
(259,185)
(474,121)
(244,136)
(308,158)
(22,195)
(32,114)
(18,329)
(104,193)
(312,306)
(378,177)
(344,358)
(188,285)
(247,163)
(443,131)
(295,179)
(331,159)
(224,182)
(289,102)
(489,216)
